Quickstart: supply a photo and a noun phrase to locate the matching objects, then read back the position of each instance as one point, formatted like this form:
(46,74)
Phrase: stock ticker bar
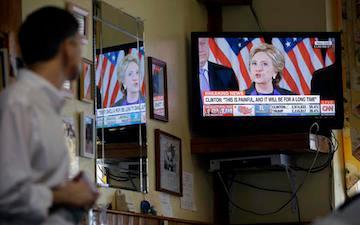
(121,115)
(235,104)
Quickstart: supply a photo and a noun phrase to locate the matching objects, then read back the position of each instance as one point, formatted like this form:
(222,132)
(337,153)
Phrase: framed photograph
(4,68)
(82,16)
(168,163)
(71,144)
(158,89)
(87,81)
(87,135)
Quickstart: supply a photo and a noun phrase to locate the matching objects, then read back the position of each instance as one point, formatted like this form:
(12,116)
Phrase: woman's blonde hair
(276,57)
(122,69)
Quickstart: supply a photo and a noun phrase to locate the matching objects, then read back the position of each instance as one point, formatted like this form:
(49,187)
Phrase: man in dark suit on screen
(323,82)
(214,77)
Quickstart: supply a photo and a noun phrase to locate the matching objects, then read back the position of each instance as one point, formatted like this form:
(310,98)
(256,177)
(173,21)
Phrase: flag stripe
(304,86)
(102,72)
(305,71)
(317,52)
(115,93)
(330,57)
(290,81)
(115,79)
(244,71)
(291,75)
(306,56)
(218,53)
(316,59)
(111,72)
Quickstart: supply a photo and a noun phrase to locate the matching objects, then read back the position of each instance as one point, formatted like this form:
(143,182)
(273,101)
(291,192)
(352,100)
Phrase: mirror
(121,160)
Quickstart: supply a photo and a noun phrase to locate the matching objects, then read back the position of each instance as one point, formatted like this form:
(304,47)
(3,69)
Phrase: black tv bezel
(219,126)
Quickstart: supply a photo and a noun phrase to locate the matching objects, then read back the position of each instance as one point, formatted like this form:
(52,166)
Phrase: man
(33,157)
(345,214)
(323,82)
(214,77)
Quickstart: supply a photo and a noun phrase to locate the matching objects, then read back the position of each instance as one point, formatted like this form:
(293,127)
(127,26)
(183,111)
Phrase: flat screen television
(121,95)
(265,82)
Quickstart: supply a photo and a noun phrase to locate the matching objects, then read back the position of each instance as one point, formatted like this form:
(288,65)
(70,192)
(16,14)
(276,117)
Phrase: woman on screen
(266,66)
(129,77)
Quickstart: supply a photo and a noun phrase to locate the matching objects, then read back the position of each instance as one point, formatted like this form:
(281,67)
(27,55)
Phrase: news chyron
(233,103)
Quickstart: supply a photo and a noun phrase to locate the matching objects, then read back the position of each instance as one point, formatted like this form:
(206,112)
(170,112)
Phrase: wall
(351,28)
(317,195)
(167,31)
(277,15)
(334,23)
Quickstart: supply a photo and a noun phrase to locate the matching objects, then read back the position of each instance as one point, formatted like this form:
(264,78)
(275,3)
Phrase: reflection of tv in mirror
(120,86)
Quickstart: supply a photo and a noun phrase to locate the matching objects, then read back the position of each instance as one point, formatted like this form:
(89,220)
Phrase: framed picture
(87,81)
(87,135)
(4,68)
(71,144)
(158,89)
(168,163)
(82,16)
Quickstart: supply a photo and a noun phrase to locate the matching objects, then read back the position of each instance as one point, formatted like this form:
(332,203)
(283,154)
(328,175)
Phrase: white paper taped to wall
(187,200)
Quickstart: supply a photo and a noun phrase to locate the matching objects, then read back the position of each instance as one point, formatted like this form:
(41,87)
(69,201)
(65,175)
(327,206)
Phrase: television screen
(120,86)
(277,75)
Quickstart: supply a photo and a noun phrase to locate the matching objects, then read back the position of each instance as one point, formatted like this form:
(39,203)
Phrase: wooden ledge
(270,143)
(154,217)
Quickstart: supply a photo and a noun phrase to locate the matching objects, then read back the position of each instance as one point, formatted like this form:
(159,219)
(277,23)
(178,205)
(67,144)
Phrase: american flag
(330,55)
(106,78)
(301,59)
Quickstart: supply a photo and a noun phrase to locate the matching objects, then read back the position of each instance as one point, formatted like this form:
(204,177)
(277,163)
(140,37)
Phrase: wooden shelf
(213,146)
(123,150)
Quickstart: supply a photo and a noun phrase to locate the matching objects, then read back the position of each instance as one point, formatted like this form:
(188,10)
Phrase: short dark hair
(42,33)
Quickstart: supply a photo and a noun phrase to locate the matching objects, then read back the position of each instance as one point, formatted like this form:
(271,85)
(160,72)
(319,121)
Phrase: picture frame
(87,135)
(86,81)
(4,68)
(71,142)
(158,93)
(82,16)
(168,158)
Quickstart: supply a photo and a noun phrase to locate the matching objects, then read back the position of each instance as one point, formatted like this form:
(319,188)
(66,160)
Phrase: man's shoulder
(120,102)
(218,66)
(18,93)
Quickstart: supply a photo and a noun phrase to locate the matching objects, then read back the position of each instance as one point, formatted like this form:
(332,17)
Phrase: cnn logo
(328,109)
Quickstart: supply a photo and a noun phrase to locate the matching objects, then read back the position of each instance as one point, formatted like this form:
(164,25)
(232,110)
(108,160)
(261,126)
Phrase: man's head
(50,34)
(203,51)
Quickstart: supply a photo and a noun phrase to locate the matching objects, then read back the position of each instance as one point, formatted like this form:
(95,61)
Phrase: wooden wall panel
(10,15)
